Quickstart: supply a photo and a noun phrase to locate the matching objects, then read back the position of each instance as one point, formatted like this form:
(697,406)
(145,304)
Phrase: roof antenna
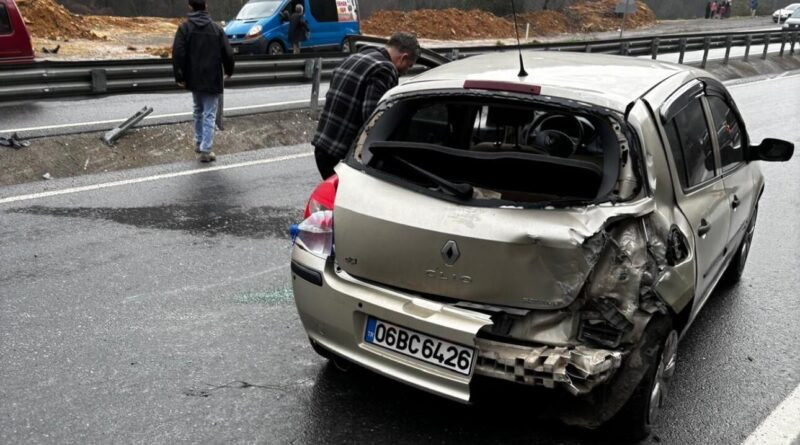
(522,72)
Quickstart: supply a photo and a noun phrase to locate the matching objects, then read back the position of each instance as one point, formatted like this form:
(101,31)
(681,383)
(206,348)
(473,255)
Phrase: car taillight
(324,196)
(315,233)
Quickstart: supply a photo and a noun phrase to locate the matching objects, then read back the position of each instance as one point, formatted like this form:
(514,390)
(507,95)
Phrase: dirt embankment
(456,24)
(95,37)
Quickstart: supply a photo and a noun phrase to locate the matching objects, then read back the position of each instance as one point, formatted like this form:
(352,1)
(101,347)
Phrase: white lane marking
(89,188)
(782,426)
(159,116)
(740,82)
(207,286)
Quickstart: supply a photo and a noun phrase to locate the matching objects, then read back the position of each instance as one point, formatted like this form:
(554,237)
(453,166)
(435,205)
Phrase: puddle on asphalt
(202,220)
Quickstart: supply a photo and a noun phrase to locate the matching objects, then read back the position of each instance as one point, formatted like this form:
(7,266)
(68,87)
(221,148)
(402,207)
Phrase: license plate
(419,346)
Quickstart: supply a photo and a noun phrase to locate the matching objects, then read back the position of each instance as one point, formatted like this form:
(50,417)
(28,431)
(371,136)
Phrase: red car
(15,42)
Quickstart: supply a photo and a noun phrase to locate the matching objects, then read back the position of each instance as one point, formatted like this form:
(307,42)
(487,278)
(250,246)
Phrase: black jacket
(200,53)
(298,27)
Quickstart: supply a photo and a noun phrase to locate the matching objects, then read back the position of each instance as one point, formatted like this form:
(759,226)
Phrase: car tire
(275,49)
(735,270)
(635,420)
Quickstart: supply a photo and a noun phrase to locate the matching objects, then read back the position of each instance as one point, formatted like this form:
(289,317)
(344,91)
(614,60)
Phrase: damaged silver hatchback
(558,230)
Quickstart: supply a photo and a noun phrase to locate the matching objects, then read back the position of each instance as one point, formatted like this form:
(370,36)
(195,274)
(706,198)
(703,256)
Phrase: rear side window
(729,133)
(691,146)
(5,22)
(324,10)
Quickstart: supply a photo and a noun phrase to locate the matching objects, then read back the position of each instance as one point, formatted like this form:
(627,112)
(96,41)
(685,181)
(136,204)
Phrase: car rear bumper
(334,308)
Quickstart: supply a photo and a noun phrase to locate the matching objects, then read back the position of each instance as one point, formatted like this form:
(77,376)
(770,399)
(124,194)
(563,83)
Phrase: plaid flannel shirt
(357,86)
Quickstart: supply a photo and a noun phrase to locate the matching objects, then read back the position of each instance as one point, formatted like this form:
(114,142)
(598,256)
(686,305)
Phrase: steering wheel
(556,143)
(559,134)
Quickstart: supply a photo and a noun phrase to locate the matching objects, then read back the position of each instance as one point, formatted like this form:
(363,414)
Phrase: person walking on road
(298,28)
(754,7)
(357,86)
(200,54)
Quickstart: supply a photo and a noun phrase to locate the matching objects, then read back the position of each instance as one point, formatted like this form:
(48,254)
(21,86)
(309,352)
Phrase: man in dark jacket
(298,28)
(199,55)
(357,86)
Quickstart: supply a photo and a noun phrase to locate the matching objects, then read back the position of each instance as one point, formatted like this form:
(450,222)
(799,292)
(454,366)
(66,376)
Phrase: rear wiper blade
(460,190)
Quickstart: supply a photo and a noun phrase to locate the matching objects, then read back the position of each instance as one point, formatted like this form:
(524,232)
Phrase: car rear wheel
(736,269)
(275,49)
(636,419)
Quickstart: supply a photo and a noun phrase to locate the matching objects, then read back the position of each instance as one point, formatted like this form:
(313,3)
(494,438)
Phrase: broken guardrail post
(682,50)
(99,81)
(455,54)
(767,38)
(748,42)
(728,45)
(316,80)
(706,47)
(654,48)
(114,135)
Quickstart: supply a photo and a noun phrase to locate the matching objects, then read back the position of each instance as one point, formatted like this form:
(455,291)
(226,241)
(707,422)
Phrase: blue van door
(323,19)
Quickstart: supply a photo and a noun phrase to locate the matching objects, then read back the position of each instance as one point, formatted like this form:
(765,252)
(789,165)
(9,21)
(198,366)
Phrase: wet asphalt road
(161,312)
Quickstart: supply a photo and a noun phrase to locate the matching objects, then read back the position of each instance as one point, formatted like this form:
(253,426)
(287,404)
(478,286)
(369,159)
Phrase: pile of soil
(456,24)
(440,24)
(48,19)
(599,15)
(545,23)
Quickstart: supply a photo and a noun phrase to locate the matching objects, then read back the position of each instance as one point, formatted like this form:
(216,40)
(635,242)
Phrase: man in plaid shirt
(357,86)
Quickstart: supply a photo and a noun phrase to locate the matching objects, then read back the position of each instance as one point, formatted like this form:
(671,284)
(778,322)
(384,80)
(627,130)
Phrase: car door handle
(736,203)
(705,227)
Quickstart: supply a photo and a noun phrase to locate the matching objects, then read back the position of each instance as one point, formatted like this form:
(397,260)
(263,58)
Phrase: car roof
(610,81)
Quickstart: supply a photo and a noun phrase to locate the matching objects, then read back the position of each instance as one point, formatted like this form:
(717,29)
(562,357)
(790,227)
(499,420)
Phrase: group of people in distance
(719,9)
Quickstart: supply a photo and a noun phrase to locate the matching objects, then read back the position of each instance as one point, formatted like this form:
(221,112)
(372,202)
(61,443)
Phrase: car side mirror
(284,16)
(772,150)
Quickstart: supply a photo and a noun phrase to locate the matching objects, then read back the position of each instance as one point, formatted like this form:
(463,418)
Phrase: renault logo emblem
(450,253)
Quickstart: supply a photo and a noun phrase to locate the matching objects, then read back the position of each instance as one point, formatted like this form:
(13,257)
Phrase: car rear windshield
(505,151)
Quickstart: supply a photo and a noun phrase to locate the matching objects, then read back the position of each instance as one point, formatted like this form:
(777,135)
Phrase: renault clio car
(556,228)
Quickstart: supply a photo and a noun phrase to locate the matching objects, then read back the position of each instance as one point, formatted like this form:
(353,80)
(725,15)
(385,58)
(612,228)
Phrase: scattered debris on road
(65,155)
(14,142)
(51,51)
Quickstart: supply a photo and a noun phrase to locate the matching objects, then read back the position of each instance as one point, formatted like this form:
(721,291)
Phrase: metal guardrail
(45,80)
